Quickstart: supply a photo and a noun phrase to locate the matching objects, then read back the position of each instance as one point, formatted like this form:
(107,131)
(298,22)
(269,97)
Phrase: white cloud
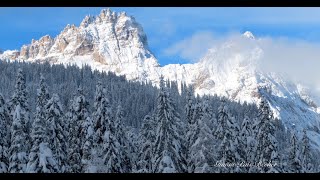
(296,58)
(192,48)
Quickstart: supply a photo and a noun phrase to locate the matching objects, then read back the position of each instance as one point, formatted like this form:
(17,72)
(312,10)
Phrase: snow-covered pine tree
(87,134)
(307,165)
(68,117)
(41,159)
(201,152)
(102,112)
(168,157)
(228,151)
(174,89)
(197,111)
(247,141)
(133,144)
(4,135)
(192,129)
(42,98)
(76,133)
(101,117)
(189,107)
(56,130)
(182,131)
(223,117)
(126,162)
(147,138)
(208,114)
(184,94)
(267,148)
(253,145)
(295,164)
(73,154)
(111,146)
(19,148)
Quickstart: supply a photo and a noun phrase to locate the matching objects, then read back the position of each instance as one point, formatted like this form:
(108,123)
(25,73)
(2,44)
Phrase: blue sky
(165,27)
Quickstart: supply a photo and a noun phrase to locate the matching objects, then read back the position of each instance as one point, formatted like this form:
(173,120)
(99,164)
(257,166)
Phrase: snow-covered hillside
(116,42)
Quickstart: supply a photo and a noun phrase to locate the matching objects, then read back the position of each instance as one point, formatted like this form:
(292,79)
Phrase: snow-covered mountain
(232,69)
(116,42)
(110,41)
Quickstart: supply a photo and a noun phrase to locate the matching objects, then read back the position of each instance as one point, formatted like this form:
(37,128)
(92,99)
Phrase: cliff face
(37,49)
(110,41)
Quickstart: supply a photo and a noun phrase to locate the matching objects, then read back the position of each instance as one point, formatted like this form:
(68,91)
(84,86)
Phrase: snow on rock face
(116,42)
(37,49)
(109,41)
(10,54)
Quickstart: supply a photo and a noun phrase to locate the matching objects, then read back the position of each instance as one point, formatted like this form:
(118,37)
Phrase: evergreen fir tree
(20,141)
(192,130)
(307,165)
(168,157)
(56,130)
(295,165)
(223,117)
(208,115)
(77,133)
(101,118)
(111,148)
(41,159)
(87,134)
(102,112)
(202,149)
(228,151)
(132,147)
(122,138)
(5,135)
(267,149)
(68,116)
(147,139)
(247,142)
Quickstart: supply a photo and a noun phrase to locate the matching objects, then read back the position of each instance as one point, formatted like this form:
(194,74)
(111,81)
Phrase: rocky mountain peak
(45,39)
(104,37)
(122,14)
(110,40)
(87,20)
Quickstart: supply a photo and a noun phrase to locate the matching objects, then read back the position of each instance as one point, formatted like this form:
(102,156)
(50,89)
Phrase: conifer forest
(66,119)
